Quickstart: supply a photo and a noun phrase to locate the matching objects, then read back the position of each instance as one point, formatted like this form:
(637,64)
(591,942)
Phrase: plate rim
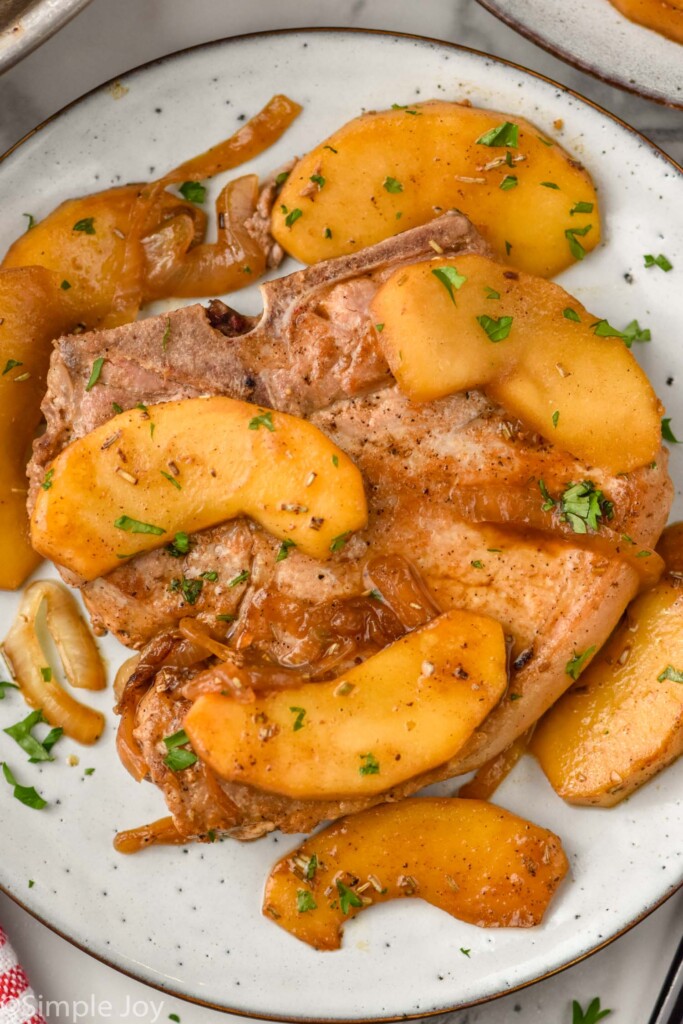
(565,90)
(519,26)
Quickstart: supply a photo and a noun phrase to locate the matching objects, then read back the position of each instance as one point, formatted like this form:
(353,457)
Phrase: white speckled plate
(188,920)
(595,37)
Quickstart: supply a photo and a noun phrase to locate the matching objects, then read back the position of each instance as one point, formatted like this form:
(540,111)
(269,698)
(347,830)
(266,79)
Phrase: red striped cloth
(17,1001)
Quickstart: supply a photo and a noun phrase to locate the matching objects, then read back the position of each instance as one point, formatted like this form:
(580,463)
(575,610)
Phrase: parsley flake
(241,577)
(11,364)
(548,502)
(497,330)
(311,867)
(135,526)
(465,952)
(179,757)
(46,673)
(65,285)
(370,765)
(477,564)
(575,247)
(179,546)
(299,720)
(550,184)
(281,178)
(95,373)
(305,901)
(327,233)
(318,180)
(576,665)
(293,216)
(658,261)
(193,191)
(189,588)
(591,1015)
(86,225)
(6,686)
(671,673)
(31,220)
(166,335)
(556,417)
(583,504)
(506,134)
(667,432)
(24,794)
(581,208)
(508,182)
(491,293)
(283,551)
(340,542)
(21,733)
(47,480)
(347,897)
(450,279)
(117,408)
(392,185)
(264,419)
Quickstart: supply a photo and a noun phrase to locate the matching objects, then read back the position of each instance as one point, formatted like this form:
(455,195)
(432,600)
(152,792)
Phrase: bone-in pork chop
(452,485)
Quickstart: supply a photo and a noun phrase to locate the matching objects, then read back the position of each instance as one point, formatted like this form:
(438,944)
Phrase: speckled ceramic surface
(188,919)
(595,37)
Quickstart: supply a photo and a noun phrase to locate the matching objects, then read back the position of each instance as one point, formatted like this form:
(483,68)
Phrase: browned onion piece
(158,832)
(78,651)
(488,778)
(401,589)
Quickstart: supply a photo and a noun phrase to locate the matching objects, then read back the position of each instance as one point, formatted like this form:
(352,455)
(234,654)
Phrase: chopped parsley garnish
(327,233)
(634,332)
(477,564)
(31,883)
(591,1015)
(604,329)
(667,432)
(581,208)
(548,502)
(658,261)
(506,134)
(450,279)
(515,696)
(347,897)
(340,542)
(166,335)
(674,675)
(190,589)
(178,757)
(311,867)
(299,720)
(331,149)
(575,247)
(135,526)
(370,765)
(379,328)
(335,461)
(644,554)
(318,180)
(6,686)
(89,771)
(116,407)
(571,314)
(47,480)
(225,617)
(174,1016)
(211,576)
(465,952)
(31,220)
(179,546)
(550,184)
(171,479)
(11,364)
(21,733)
(491,293)
(95,373)
(293,216)
(264,419)
(241,577)
(392,185)
(546,142)
(508,247)
(24,794)
(281,178)
(408,110)
(46,673)
(497,330)
(583,505)
(193,191)
(283,550)
(375,594)
(305,901)
(575,665)
(65,285)
(508,182)
(556,417)
(86,225)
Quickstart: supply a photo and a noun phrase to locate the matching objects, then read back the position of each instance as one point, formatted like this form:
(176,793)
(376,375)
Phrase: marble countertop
(109,37)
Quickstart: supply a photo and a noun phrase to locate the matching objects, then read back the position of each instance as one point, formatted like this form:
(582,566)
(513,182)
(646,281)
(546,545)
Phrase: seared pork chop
(453,486)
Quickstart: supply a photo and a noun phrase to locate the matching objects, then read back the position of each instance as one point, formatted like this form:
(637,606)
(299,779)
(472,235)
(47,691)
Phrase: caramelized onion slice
(489,777)
(80,660)
(162,831)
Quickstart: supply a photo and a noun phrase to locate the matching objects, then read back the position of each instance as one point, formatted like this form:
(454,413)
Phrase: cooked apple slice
(403,711)
(32,314)
(450,325)
(390,170)
(149,473)
(472,859)
(622,722)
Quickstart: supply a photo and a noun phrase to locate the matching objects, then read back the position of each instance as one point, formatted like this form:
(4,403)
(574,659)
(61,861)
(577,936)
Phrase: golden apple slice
(390,170)
(472,859)
(403,711)
(622,722)
(450,325)
(149,473)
